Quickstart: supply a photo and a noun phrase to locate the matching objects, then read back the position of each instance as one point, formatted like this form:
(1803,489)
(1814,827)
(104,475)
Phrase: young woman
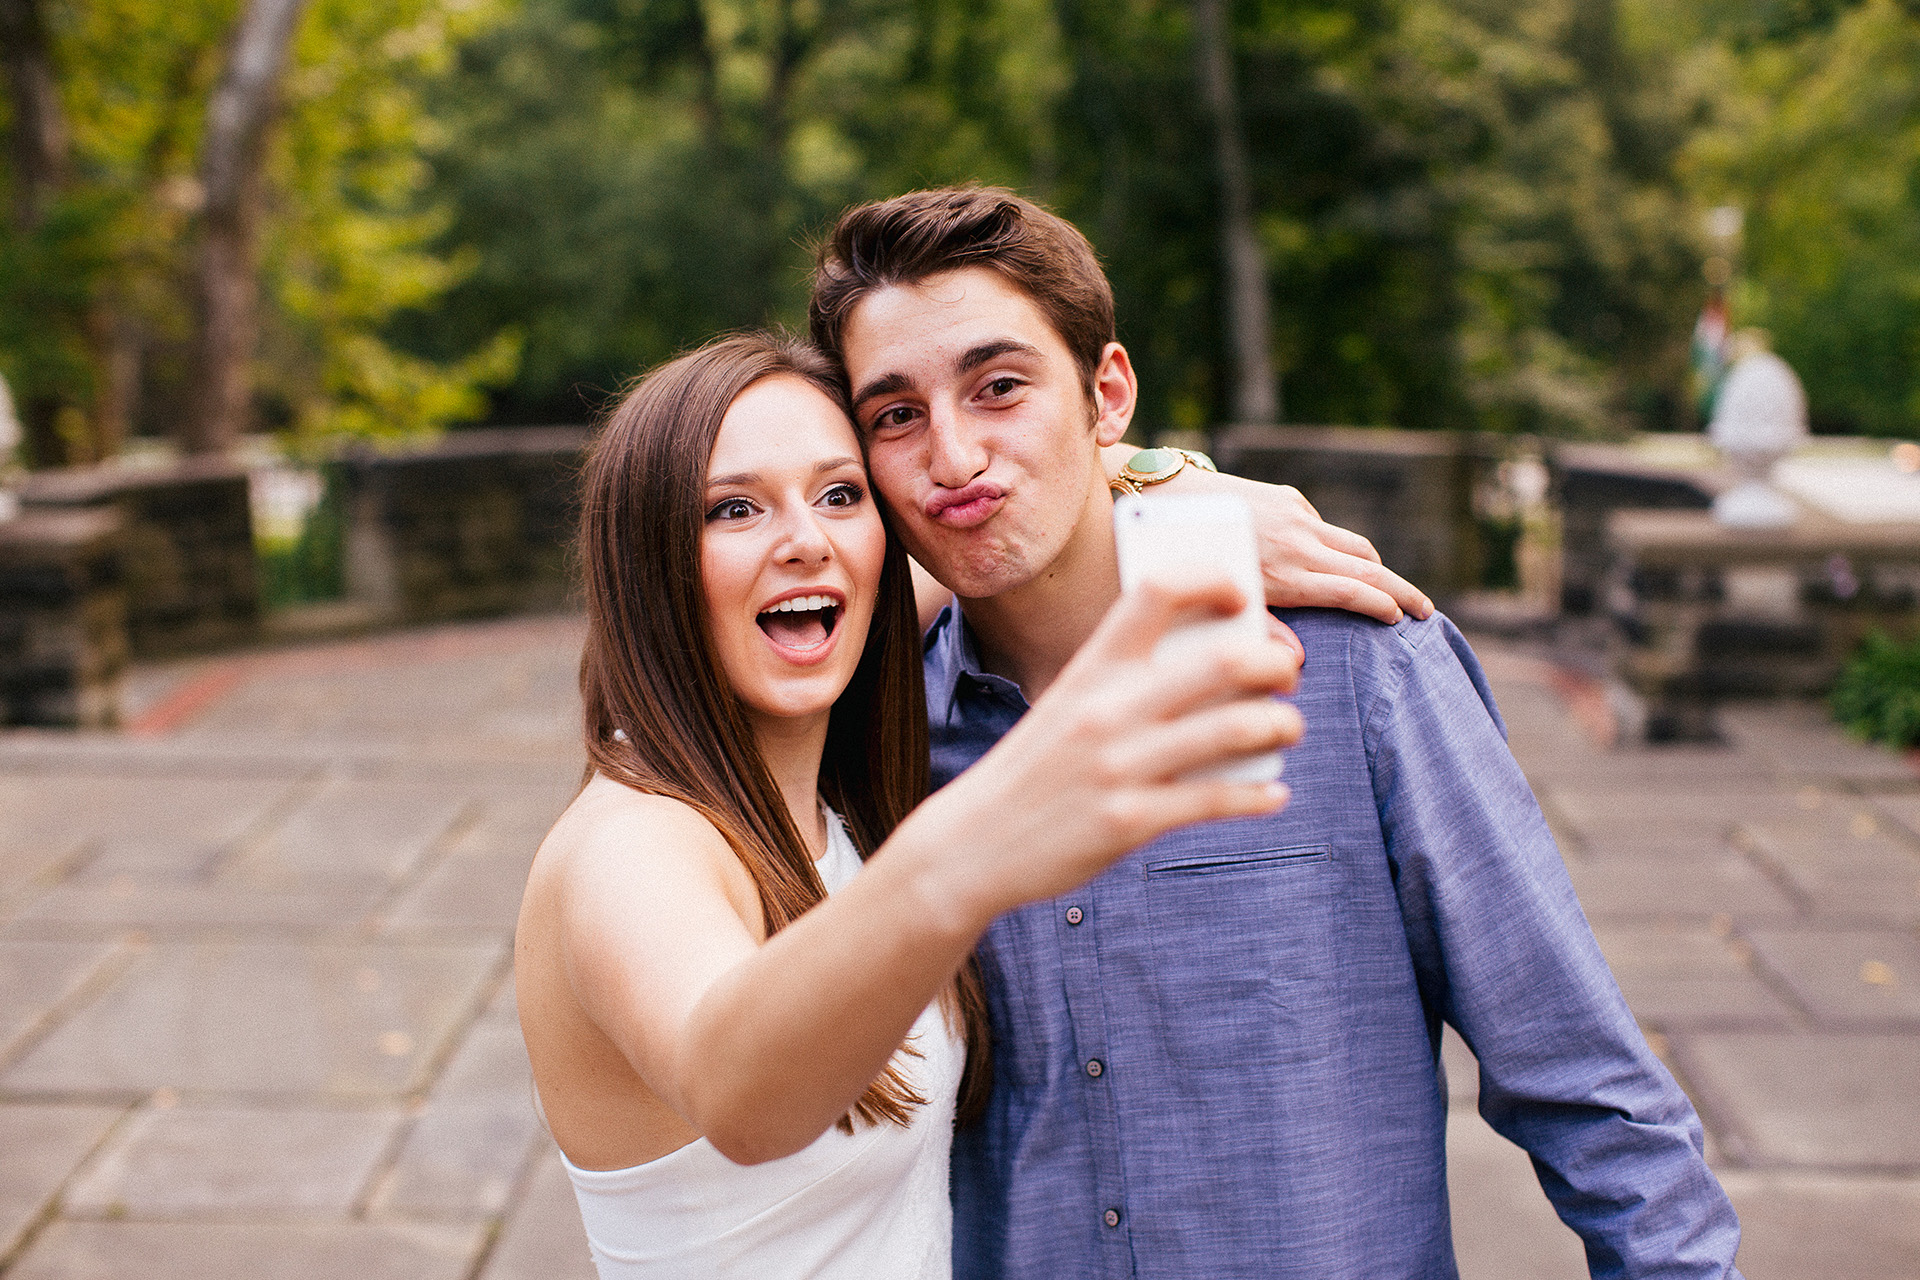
(741,959)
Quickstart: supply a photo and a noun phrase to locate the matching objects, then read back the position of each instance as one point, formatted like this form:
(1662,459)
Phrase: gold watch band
(1157,466)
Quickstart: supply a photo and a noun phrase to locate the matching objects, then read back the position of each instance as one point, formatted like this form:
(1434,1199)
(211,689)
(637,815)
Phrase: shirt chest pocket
(1242,946)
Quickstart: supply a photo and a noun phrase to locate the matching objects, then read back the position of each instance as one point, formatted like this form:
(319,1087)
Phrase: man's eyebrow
(885,385)
(986,351)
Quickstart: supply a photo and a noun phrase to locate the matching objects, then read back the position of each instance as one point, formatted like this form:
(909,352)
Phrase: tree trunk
(40,154)
(238,114)
(118,343)
(1256,391)
(39,124)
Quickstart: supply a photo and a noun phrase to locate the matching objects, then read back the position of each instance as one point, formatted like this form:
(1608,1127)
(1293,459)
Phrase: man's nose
(955,456)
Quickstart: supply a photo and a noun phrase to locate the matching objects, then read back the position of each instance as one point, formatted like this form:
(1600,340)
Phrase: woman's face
(791,555)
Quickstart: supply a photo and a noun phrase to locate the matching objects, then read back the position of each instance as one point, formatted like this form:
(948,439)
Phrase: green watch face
(1154,462)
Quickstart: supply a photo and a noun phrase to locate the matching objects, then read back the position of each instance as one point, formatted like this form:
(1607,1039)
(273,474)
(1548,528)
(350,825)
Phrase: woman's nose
(803,538)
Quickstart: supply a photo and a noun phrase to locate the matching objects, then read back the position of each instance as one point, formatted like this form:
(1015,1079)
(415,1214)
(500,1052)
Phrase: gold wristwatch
(1157,466)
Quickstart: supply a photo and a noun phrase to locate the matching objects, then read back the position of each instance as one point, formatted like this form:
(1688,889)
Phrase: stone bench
(1704,612)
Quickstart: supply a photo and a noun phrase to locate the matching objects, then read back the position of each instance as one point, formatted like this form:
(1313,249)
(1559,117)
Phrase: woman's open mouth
(802,623)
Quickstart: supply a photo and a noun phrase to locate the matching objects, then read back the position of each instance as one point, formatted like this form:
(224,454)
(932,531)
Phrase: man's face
(979,428)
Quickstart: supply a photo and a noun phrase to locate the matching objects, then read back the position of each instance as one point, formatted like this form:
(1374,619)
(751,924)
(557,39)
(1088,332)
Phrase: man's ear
(1115,393)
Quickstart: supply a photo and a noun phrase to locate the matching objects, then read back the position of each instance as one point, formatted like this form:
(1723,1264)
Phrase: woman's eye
(1002,386)
(843,495)
(731,509)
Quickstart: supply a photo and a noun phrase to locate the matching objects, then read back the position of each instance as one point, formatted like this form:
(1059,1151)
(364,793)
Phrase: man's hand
(1307,563)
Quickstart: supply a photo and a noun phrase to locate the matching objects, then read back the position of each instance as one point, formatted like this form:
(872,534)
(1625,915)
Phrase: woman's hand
(1103,762)
(1310,564)
(1307,563)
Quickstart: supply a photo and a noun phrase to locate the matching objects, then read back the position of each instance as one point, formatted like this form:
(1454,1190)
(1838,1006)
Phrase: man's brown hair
(923,233)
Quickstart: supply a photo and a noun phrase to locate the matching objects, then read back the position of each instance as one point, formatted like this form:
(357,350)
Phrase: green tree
(97,307)
(638,176)
(1576,236)
(350,245)
(1816,134)
(1468,211)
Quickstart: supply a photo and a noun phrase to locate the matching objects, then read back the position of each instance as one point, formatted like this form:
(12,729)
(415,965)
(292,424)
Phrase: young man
(1221,1058)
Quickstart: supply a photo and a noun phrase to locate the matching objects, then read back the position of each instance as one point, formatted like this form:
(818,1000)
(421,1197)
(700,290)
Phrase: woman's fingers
(1297,551)
(1335,580)
(1345,541)
(1164,690)
(1380,578)
(1334,591)
(1162,751)
(1148,611)
(1150,812)
(1280,633)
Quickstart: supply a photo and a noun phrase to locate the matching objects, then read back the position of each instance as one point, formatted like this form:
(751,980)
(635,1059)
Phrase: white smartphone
(1177,539)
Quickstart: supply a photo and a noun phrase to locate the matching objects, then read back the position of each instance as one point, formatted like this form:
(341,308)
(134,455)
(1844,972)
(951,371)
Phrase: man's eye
(1003,386)
(731,509)
(843,495)
(898,416)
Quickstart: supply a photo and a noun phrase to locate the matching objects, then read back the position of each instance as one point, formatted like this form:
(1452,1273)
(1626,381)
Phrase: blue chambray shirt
(1221,1058)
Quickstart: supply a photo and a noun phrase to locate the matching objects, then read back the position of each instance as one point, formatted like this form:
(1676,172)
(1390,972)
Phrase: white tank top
(849,1207)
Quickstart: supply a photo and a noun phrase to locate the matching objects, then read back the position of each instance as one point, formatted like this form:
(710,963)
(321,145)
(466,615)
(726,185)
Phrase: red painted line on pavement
(186,702)
(323,658)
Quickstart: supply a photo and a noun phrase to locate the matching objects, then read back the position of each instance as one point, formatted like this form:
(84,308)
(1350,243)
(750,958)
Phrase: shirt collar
(953,665)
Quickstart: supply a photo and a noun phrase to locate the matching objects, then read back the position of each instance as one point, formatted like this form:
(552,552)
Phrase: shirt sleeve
(1504,954)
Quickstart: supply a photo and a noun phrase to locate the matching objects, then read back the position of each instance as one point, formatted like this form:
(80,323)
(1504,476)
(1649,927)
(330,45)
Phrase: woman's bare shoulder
(612,834)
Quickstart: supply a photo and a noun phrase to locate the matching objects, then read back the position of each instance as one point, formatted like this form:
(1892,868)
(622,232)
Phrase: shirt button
(1111,1217)
(1075,915)
(1095,1067)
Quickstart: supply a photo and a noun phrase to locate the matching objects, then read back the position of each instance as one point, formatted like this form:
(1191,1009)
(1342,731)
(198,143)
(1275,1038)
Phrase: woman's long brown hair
(650,671)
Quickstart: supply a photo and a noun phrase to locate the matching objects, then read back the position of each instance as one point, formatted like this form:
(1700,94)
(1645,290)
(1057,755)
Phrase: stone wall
(478,523)
(187,547)
(63,637)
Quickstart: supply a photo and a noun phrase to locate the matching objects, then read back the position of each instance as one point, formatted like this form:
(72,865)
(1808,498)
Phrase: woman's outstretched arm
(761,1047)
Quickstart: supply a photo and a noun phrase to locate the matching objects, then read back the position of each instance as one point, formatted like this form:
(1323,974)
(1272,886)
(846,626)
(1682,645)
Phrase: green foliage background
(1473,209)
(1477,213)
(1877,696)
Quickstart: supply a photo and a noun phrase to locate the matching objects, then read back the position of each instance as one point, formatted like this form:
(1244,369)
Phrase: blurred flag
(1709,352)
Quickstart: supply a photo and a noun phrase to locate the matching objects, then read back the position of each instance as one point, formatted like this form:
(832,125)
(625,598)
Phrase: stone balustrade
(63,636)
(1704,612)
(1592,481)
(187,547)
(477,523)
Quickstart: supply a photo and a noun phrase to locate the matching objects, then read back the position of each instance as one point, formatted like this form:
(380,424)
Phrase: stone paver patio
(256,1013)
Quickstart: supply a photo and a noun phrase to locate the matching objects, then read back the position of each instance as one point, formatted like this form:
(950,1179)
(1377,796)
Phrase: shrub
(1878,693)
